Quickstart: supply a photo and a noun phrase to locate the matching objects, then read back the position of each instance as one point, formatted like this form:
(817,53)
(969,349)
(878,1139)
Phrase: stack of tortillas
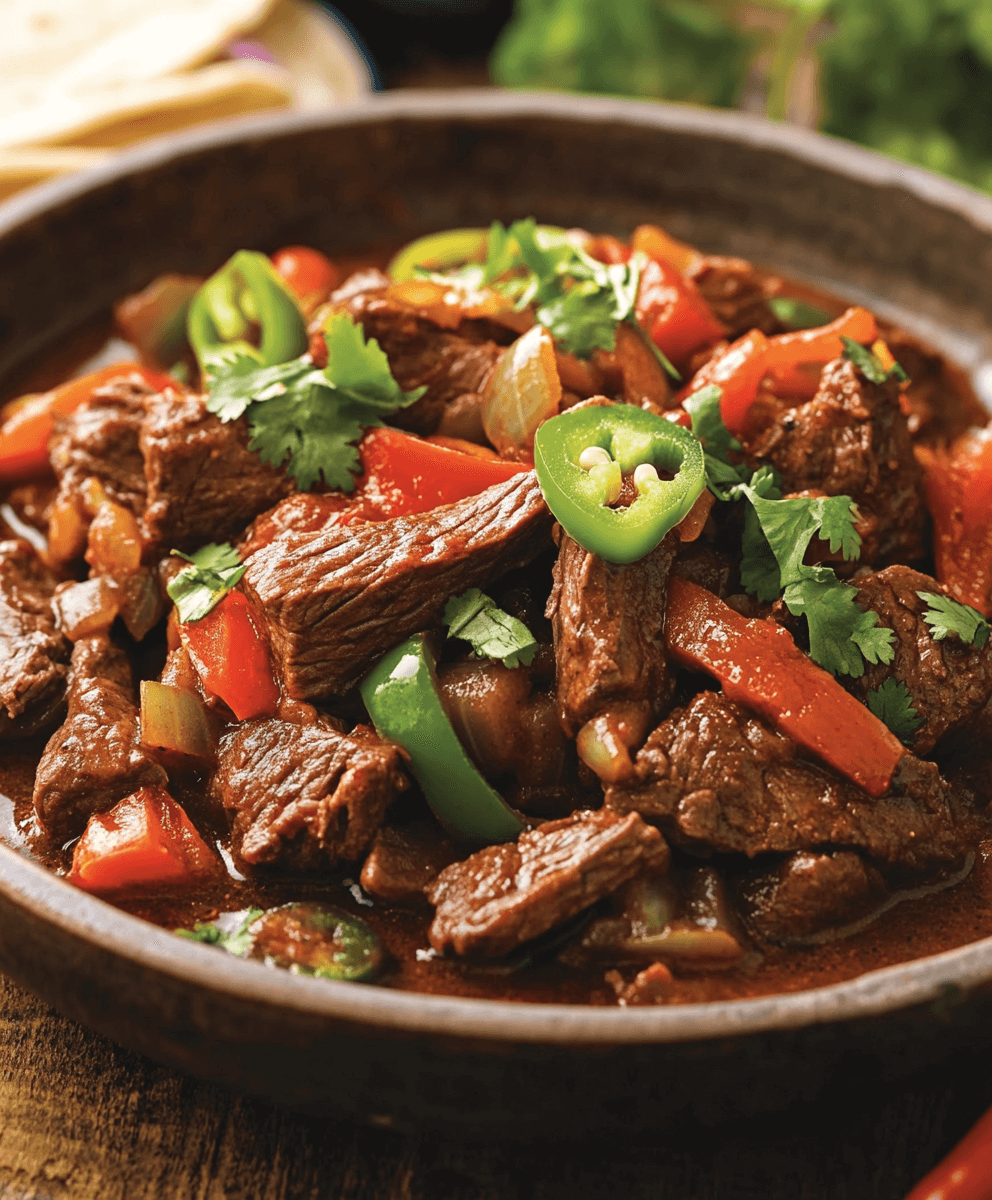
(79,78)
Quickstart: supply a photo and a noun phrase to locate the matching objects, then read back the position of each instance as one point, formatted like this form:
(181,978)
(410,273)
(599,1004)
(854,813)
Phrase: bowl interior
(375,175)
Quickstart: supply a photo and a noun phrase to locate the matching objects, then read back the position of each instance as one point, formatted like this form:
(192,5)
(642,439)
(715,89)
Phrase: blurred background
(912,78)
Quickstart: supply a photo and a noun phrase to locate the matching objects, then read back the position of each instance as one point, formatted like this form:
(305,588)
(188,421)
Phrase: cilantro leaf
(475,618)
(893,705)
(237,381)
(238,942)
(760,572)
(947,616)
(839,632)
(869,365)
(581,320)
(707,424)
(308,419)
(214,570)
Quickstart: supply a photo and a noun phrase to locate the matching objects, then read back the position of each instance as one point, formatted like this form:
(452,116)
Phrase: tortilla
(115,116)
(22,168)
(51,47)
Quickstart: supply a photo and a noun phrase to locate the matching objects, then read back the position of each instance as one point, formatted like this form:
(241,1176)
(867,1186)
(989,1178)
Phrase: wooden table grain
(81,1118)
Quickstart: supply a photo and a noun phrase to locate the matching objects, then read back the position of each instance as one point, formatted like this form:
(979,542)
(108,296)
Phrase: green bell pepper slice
(246,290)
(631,436)
(438,252)
(401,696)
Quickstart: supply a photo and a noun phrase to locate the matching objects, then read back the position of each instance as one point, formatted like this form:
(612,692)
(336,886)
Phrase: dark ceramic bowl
(912,245)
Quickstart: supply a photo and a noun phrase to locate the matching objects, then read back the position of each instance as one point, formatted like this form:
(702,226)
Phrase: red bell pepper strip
(966,1173)
(404,474)
(661,246)
(232,657)
(677,318)
(606,248)
(761,667)
(958,486)
(24,435)
(737,371)
(144,841)
(823,343)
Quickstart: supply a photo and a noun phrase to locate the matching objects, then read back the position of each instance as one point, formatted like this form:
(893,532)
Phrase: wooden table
(82,1119)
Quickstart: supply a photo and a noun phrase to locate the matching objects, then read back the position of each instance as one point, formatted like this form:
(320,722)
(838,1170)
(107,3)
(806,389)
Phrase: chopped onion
(67,528)
(522,392)
(142,602)
(176,720)
(113,545)
(82,609)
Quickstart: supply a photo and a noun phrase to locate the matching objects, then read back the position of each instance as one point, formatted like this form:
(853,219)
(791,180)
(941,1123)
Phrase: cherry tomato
(305,270)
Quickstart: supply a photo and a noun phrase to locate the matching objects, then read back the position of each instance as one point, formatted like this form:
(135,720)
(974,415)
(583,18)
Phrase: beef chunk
(852,439)
(33,654)
(405,859)
(510,728)
(609,631)
(717,777)
(204,484)
(448,362)
(95,759)
(335,600)
(303,512)
(737,293)
(807,894)
(948,681)
(505,895)
(304,795)
(100,440)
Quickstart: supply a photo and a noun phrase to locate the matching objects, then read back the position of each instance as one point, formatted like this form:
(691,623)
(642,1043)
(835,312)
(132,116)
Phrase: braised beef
(609,623)
(204,484)
(302,512)
(33,653)
(715,776)
(852,440)
(947,680)
(449,363)
(737,293)
(807,894)
(95,758)
(505,895)
(99,440)
(335,600)
(304,795)
(509,725)
(405,859)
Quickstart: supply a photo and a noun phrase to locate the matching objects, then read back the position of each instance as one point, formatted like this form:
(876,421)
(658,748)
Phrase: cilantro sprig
(947,616)
(777,534)
(493,633)
(579,300)
(309,419)
(893,705)
(212,572)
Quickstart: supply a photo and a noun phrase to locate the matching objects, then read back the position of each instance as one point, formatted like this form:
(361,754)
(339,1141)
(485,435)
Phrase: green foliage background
(912,78)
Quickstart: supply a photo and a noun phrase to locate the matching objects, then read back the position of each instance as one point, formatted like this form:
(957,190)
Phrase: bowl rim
(51,900)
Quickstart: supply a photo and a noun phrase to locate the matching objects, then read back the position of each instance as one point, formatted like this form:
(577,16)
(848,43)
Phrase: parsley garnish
(306,418)
(238,942)
(893,705)
(947,616)
(869,365)
(493,633)
(214,570)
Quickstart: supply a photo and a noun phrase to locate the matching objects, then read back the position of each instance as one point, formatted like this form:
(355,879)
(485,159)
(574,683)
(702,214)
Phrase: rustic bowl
(914,246)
